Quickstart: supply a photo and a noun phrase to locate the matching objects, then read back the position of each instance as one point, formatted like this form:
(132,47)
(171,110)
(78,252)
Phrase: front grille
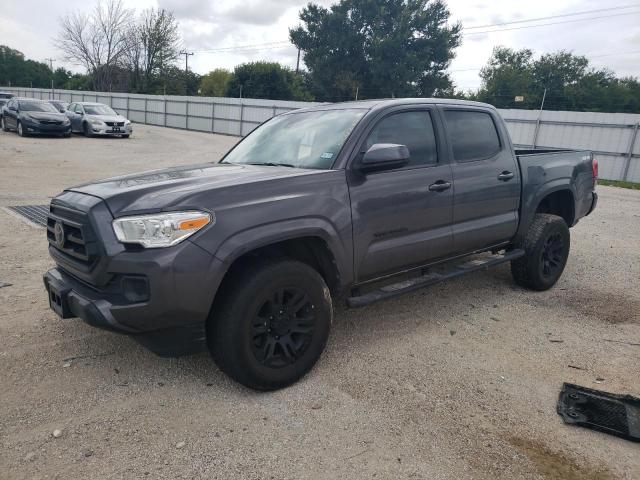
(51,122)
(70,233)
(115,124)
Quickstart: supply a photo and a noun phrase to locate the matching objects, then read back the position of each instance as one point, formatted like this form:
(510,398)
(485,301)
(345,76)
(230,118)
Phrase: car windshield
(301,140)
(37,107)
(98,110)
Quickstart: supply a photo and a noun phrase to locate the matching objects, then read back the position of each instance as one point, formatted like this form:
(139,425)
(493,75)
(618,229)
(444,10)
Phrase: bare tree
(160,41)
(98,41)
(153,43)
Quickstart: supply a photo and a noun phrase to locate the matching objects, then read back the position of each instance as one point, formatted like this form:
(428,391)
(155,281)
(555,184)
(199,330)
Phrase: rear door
(398,222)
(486,177)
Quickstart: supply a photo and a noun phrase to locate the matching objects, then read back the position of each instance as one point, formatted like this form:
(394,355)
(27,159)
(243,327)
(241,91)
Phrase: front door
(402,218)
(486,176)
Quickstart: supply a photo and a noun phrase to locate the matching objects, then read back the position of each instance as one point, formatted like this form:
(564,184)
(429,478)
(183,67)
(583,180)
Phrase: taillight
(595,172)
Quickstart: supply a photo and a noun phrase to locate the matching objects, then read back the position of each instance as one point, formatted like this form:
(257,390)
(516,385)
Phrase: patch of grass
(619,183)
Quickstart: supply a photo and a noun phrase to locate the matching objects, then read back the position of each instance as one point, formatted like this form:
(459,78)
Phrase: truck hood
(163,189)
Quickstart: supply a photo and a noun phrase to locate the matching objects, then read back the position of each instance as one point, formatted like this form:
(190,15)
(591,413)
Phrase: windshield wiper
(272,164)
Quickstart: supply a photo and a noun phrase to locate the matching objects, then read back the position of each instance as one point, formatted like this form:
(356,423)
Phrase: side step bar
(400,288)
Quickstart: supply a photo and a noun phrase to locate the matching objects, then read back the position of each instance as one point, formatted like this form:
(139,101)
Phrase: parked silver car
(97,119)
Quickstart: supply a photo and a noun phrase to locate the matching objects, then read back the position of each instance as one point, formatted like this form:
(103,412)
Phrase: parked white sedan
(97,119)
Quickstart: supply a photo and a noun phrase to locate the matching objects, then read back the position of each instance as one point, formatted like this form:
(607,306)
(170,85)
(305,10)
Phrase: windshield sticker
(327,155)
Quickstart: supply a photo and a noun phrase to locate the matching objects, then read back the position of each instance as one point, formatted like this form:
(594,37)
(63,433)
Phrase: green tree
(569,81)
(215,83)
(377,48)
(16,70)
(267,80)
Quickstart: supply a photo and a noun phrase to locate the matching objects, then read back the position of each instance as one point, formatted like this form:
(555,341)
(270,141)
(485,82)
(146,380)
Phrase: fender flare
(259,236)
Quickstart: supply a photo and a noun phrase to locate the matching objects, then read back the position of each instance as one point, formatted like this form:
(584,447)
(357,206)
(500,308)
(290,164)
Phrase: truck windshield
(301,140)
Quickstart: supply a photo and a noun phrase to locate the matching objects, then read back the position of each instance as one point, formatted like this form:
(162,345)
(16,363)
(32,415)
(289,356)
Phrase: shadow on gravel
(614,308)
(556,466)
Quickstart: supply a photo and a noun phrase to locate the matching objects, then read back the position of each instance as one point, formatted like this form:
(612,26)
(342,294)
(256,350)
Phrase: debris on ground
(610,413)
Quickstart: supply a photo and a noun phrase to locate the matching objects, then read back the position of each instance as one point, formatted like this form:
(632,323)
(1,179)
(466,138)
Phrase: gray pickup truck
(362,201)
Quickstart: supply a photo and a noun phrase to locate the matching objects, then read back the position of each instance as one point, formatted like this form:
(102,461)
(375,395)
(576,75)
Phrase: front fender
(268,234)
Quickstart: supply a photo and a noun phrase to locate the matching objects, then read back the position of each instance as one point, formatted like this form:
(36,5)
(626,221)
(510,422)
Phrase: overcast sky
(614,42)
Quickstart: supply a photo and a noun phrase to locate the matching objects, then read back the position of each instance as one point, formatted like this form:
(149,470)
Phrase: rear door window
(413,129)
(473,135)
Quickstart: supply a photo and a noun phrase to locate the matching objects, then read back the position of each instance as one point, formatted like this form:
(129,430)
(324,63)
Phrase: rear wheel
(547,247)
(271,324)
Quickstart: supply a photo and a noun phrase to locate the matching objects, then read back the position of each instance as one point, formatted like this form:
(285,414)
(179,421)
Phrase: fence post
(274,112)
(186,113)
(213,116)
(241,117)
(632,144)
(164,111)
(145,110)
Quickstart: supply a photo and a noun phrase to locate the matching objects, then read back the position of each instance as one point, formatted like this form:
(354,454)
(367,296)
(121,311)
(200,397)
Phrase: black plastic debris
(617,415)
(4,284)
(34,213)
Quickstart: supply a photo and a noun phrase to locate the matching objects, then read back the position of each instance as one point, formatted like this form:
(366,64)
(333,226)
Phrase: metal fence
(613,137)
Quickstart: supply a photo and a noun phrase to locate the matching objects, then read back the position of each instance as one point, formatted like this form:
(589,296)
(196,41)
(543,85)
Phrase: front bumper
(46,129)
(106,130)
(162,299)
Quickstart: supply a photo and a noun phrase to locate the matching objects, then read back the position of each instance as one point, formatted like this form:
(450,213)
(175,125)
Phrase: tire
(21,132)
(271,325)
(3,124)
(125,136)
(86,131)
(547,246)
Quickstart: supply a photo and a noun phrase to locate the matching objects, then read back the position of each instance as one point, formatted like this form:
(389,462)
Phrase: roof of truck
(390,102)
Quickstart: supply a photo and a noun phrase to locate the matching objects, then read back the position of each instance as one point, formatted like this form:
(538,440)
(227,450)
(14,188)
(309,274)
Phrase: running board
(400,288)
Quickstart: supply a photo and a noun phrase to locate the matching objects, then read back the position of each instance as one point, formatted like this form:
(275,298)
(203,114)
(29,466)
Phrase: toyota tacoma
(361,201)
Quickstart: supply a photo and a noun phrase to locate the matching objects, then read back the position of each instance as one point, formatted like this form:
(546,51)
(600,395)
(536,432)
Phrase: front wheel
(271,324)
(86,129)
(3,124)
(546,251)
(21,131)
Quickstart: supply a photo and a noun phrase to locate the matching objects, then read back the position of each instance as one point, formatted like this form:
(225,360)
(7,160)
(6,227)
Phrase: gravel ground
(458,381)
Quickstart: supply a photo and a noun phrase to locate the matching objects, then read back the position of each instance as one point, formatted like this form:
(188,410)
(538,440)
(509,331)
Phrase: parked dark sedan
(31,116)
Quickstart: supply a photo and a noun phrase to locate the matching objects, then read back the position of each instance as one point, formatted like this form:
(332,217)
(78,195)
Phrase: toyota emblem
(58,233)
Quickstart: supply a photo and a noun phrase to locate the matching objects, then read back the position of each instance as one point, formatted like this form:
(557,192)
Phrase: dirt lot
(457,381)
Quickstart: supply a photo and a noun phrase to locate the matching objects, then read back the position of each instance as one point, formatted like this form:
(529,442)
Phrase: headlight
(162,229)
(95,121)
(127,122)
(65,121)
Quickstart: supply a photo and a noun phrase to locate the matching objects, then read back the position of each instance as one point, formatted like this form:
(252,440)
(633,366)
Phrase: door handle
(440,186)
(506,176)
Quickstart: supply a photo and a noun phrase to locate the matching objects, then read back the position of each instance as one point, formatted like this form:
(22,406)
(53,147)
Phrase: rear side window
(473,135)
(413,129)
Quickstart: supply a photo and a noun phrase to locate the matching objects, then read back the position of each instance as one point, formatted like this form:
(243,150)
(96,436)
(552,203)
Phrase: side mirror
(385,156)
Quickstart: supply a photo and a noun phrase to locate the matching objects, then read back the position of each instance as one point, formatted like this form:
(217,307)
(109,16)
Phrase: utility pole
(298,63)
(51,65)
(186,59)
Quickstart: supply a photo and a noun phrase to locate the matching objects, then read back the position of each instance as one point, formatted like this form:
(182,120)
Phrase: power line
(549,24)
(279,44)
(585,12)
